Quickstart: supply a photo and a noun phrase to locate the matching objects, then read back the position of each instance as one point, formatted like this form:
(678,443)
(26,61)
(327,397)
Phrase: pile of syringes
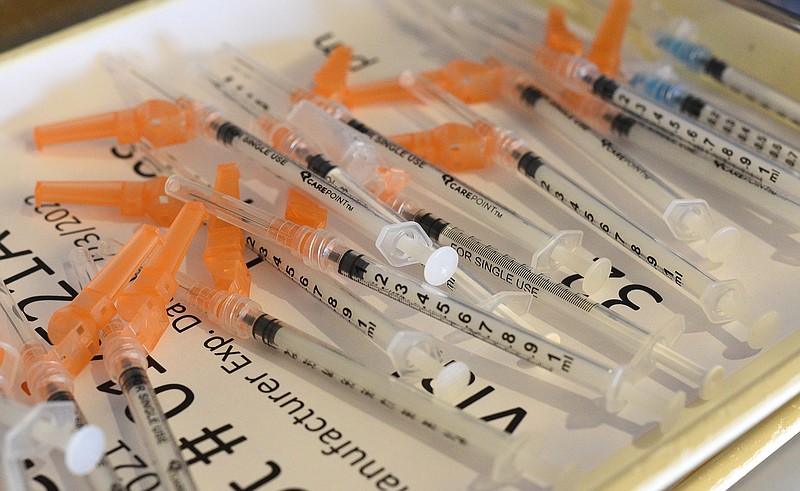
(500,194)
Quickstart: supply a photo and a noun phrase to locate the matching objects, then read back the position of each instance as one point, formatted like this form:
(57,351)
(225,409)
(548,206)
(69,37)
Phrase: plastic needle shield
(75,329)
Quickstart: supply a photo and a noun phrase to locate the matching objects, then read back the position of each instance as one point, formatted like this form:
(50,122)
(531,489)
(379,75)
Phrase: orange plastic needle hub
(453,146)
(330,81)
(143,304)
(605,49)
(558,34)
(133,198)
(470,81)
(75,329)
(159,122)
(302,210)
(224,252)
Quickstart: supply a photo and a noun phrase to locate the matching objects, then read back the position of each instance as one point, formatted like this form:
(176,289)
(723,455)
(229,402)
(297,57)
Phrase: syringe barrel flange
(563,250)
(671,330)
(622,391)
(569,240)
(720,294)
(416,354)
(677,218)
(390,236)
(643,361)
(614,403)
(690,219)
(407,243)
(400,347)
(724,301)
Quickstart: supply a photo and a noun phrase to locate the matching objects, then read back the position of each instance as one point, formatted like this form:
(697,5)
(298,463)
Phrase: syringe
(677,96)
(782,179)
(687,219)
(48,381)
(511,456)
(135,330)
(722,301)
(241,76)
(343,144)
(321,250)
(627,334)
(699,58)
(543,289)
(466,286)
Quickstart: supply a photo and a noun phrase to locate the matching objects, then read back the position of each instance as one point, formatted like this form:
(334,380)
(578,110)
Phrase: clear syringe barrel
(572,68)
(511,456)
(126,363)
(688,219)
(44,373)
(699,58)
(509,337)
(676,96)
(413,354)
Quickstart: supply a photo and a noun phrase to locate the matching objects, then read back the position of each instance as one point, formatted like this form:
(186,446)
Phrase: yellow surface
(748,451)
(749,396)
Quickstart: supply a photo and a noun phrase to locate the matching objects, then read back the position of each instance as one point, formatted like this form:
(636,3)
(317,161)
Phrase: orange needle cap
(159,122)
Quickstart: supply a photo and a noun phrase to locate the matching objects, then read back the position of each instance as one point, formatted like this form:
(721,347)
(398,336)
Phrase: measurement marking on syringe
(505,261)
